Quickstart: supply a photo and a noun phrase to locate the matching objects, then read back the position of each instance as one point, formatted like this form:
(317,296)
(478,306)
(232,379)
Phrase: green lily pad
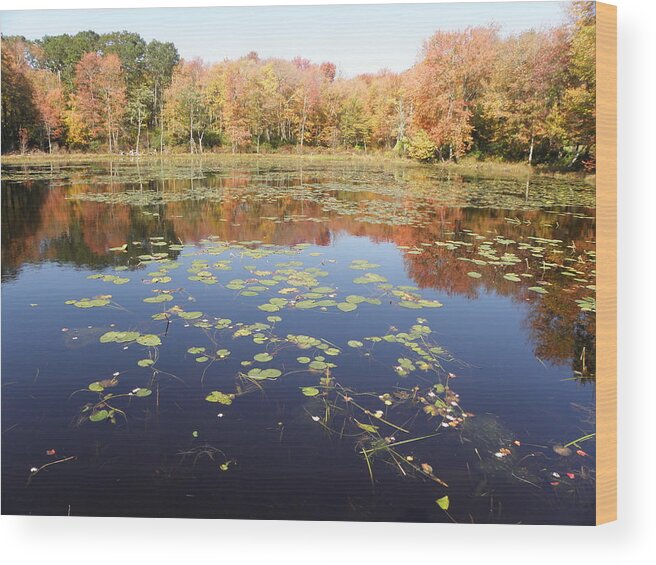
(161,297)
(190,315)
(263,374)
(99,416)
(263,357)
(149,340)
(538,289)
(220,397)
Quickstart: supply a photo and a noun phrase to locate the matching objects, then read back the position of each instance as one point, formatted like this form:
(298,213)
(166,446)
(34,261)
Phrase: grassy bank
(467,166)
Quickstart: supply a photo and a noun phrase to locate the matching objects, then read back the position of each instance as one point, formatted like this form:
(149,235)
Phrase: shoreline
(467,166)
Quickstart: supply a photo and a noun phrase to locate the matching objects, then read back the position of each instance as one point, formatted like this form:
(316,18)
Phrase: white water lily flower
(219,415)
(445,425)
(34,470)
(316,418)
(136,390)
(116,374)
(379,414)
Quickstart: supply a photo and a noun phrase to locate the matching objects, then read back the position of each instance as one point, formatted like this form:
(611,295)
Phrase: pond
(281,338)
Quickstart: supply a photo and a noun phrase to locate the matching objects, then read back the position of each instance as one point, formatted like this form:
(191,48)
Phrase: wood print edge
(606,205)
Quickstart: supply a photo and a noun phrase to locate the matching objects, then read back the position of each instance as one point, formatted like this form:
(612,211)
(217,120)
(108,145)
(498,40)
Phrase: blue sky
(357,38)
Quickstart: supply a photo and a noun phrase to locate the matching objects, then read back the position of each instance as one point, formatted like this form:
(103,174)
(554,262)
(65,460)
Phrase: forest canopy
(525,97)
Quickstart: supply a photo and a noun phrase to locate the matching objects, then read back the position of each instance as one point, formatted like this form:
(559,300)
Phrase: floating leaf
(309,390)
(118,337)
(474,275)
(161,297)
(347,306)
(145,362)
(443,502)
(538,289)
(220,397)
(190,315)
(367,427)
(149,340)
(354,343)
(99,416)
(263,357)
(263,374)
(96,387)
(143,392)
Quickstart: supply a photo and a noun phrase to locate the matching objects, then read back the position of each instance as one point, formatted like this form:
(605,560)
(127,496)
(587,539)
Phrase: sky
(357,38)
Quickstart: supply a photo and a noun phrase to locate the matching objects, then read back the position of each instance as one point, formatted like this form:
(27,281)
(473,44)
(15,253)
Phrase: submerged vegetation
(528,98)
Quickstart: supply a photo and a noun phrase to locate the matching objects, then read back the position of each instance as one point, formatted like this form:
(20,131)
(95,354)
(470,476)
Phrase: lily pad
(220,397)
(149,340)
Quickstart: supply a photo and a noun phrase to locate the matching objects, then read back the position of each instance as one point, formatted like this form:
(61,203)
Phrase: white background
(633,537)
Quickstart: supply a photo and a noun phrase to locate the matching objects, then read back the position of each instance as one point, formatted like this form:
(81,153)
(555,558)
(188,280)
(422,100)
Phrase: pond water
(283,339)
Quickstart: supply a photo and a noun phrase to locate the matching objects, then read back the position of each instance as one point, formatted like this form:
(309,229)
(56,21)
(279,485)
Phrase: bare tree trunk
(138,129)
(530,151)
(303,120)
(191,131)
(161,127)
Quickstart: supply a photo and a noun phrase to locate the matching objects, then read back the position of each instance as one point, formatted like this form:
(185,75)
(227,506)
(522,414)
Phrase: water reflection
(42,223)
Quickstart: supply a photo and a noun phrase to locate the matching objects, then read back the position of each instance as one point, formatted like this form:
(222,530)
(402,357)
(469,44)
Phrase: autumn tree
(185,110)
(523,91)
(160,58)
(578,119)
(50,103)
(19,112)
(100,96)
(447,83)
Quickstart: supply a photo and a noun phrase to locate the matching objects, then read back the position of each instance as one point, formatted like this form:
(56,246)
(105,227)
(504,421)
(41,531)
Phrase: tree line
(524,97)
